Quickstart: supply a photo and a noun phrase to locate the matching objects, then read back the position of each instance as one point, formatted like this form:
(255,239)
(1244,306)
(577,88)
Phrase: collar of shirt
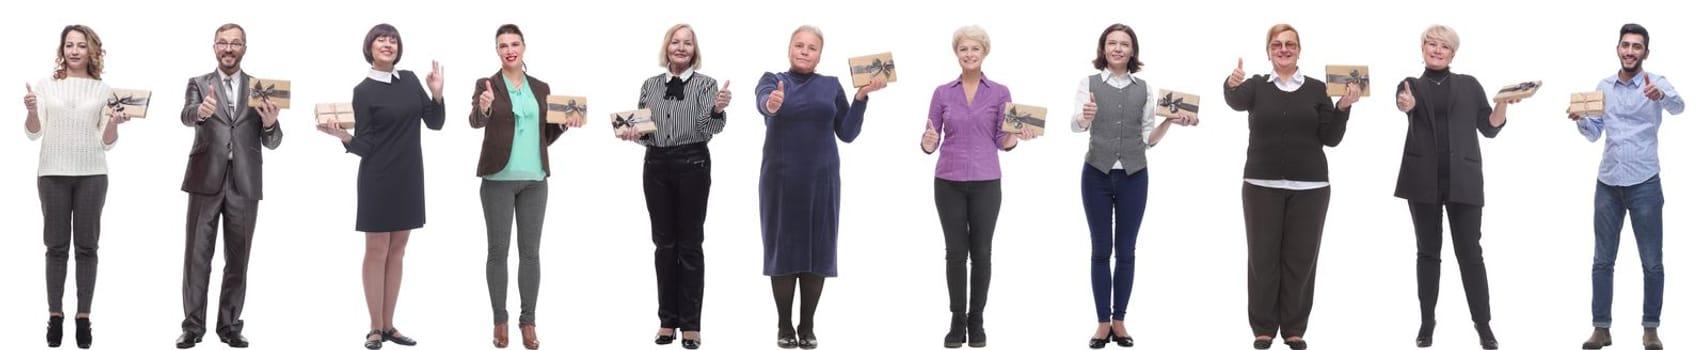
(1108,77)
(236,82)
(1617,80)
(1290,84)
(982,82)
(686,74)
(383,77)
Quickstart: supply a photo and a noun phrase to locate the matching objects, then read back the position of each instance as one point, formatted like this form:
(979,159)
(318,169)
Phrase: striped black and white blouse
(685,120)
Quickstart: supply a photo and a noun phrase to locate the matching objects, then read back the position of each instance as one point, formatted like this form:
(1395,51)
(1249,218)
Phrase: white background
(598,289)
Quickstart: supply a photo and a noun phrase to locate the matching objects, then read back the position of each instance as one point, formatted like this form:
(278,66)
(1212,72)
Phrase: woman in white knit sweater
(68,114)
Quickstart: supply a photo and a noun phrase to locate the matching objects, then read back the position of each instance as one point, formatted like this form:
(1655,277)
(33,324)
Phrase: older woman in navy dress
(800,179)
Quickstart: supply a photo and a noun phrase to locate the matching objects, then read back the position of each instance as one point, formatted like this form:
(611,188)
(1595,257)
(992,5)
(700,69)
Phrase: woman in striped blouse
(688,109)
(68,114)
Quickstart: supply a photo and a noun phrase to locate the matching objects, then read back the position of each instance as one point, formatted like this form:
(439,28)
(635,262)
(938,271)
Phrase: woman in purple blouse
(966,125)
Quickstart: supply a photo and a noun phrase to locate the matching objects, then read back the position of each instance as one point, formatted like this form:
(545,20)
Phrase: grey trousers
(71,214)
(523,202)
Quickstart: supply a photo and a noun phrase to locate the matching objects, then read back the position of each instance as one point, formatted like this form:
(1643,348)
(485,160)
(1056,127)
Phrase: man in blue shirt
(1629,181)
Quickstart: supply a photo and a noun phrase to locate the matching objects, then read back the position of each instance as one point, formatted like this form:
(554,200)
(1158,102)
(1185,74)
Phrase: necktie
(230,106)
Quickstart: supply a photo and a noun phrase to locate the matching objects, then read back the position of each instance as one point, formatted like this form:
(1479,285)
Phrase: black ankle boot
(84,336)
(956,332)
(1486,334)
(55,330)
(1425,334)
(975,330)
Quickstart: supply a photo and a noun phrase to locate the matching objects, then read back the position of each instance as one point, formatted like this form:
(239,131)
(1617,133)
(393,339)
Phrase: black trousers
(678,183)
(1466,244)
(1283,236)
(71,218)
(201,232)
(968,211)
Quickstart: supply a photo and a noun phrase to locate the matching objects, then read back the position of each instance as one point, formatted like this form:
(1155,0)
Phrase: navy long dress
(390,191)
(800,181)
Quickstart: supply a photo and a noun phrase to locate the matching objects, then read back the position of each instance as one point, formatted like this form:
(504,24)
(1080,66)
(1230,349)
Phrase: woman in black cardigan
(1286,184)
(1442,169)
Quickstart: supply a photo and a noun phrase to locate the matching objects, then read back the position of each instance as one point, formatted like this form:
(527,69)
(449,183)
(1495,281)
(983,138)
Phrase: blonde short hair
(973,33)
(808,29)
(1443,34)
(664,50)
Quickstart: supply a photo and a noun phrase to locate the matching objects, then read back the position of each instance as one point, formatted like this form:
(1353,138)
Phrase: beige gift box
(1174,104)
(277,91)
(562,109)
(134,103)
(342,112)
(1588,103)
(866,68)
(1517,91)
(640,120)
(1017,117)
(1339,75)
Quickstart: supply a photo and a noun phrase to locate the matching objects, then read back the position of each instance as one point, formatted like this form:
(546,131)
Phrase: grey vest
(1117,133)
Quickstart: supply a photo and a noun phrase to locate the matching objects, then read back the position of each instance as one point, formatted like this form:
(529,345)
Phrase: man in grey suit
(224,181)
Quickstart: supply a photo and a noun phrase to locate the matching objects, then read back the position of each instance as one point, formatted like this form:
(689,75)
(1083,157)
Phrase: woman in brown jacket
(513,165)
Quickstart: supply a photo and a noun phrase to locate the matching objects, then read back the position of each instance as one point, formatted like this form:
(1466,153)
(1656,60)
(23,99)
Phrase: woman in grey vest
(1116,179)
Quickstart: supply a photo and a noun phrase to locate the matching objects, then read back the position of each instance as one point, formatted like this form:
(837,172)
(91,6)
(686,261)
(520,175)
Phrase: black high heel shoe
(1425,334)
(1486,334)
(786,339)
(85,336)
(55,330)
(689,344)
(956,332)
(665,339)
(373,343)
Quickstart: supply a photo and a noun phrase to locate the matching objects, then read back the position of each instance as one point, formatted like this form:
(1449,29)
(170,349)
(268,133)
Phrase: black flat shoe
(55,330)
(786,339)
(373,343)
(1425,335)
(1262,344)
(808,340)
(188,340)
(665,339)
(392,336)
(1486,334)
(234,340)
(690,344)
(975,336)
(1298,344)
(1098,343)
(1123,341)
(85,336)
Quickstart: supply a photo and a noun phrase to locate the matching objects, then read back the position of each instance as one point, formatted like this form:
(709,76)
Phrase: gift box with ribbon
(1175,104)
(1339,75)
(1017,117)
(1517,91)
(1588,103)
(277,91)
(134,103)
(640,120)
(562,109)
(866,68)
(342,112)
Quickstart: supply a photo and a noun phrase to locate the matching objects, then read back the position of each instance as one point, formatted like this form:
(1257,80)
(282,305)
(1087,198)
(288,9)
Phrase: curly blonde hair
(97,55)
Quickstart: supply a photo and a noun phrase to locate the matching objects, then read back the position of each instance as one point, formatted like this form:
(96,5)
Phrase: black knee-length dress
(390,189)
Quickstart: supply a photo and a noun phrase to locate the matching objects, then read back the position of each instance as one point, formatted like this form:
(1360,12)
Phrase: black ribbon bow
(1175,104)
(118,103)
(267,92)
(1525,86)
(673,88)
(1355,77)
(627,121)
(1019,120)
(877,67)
(570,108)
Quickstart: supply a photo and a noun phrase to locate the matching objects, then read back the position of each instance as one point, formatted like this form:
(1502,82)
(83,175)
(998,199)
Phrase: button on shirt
(1631,126)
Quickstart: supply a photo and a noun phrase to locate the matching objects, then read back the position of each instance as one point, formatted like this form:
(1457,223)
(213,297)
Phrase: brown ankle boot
(530,340)
(1600,339)
(501,336)
(1651,339)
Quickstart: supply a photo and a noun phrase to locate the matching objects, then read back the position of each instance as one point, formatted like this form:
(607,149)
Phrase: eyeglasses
(1279,45)
(230,44)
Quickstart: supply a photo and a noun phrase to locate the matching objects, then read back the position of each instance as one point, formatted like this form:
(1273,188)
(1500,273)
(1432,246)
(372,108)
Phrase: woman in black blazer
(390,108)
(1442,168)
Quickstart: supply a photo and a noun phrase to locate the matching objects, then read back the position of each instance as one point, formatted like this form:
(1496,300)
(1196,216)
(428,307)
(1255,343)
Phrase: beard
(1635,68)
(235,61)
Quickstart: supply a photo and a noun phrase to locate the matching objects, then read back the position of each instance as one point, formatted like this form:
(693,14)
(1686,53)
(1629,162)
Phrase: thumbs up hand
(932,139)
(1089,112)
(775,102)
(1238,76)
(723,96)
(486,98)
(1649,89)
(1405,99)
(209,104)
(30,98)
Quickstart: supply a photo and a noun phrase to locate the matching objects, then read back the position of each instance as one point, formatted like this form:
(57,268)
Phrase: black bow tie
(673,89)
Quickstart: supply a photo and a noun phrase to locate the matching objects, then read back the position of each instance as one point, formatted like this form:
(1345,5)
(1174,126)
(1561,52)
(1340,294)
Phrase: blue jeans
(1644,202)
(1122,197)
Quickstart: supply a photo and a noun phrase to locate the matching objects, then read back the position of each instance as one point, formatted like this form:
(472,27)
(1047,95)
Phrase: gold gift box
(562,109)
(640,120)
(342,112)
(1339,75)
(1588,103)
(1517,91)
(1175,104)
(866,68)
(134,103)
(1017,117)
(277,91)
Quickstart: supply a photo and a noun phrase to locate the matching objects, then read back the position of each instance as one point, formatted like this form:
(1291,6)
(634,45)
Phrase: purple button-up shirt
(971,132)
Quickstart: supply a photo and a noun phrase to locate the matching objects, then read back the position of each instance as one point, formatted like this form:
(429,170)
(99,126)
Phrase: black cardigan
(1288,129)
(1466,114)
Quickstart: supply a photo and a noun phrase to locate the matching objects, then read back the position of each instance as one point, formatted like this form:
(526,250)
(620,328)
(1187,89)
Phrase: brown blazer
(501,124)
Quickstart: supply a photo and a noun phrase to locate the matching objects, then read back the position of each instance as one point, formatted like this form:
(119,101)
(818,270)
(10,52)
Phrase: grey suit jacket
(227,146)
